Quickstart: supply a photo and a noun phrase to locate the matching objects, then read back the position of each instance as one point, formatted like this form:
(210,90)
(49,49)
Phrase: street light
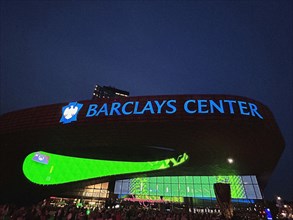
(230,160)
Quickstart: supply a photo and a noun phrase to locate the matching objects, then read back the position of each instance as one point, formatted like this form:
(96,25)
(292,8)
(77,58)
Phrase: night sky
(56,51)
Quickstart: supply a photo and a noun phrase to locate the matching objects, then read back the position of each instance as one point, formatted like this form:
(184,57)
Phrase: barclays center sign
(157,107)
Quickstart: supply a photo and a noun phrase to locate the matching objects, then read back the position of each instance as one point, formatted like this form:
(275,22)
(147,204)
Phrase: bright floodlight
(230,160)
(279,198)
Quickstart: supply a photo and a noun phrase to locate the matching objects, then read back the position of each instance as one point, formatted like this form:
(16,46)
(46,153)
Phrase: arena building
(167,148)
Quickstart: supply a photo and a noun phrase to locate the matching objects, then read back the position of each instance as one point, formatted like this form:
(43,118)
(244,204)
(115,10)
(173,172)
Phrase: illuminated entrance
(90,196)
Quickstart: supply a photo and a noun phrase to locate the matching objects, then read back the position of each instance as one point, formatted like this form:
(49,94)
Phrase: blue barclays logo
(69,112)
(156,107)
(41,158)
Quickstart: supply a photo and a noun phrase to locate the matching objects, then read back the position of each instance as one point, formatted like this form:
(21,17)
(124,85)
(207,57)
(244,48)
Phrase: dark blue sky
(56,51)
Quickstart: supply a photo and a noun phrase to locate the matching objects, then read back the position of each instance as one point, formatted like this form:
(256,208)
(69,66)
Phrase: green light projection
(237,188)
(185,186)
(47,169)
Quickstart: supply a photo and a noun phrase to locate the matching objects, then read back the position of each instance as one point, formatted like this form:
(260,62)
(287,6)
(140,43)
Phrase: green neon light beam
(52,169)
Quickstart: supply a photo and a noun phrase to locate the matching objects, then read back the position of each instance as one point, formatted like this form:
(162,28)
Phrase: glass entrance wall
(242,187)
(96,191)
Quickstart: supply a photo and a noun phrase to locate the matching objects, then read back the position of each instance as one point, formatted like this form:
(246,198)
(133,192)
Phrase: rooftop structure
(108,92)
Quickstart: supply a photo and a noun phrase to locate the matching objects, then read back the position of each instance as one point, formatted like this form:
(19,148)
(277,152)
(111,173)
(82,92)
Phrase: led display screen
(242,187)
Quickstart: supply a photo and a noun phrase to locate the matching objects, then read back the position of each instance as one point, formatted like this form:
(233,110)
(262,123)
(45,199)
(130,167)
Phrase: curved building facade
(162,141)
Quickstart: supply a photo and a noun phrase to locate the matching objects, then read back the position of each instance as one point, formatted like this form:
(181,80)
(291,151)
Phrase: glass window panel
(189,179)
(125,188)
(189,190)
(139,180)
(117,187)
(96,194)
(160,179)
(246,180)
(105,185)
(254,180)
(182,190)
(137,187)
(167,179)
(143,186)
(257,192)
(133,182)
(88,194)
(206,191)
(236,180)
(146,188)
(250,191)
(174,179)
(126,180)
(205,180)
(230,179)
(133,185)
(88,190)
(182,179)
(237,191)
(196,180)
(160,191)
(197,190)
(167,189)
(213,179)
(212,191)
(152,179)
(90,187)
(175,190)
(98,186)
(153,189)
(223,179)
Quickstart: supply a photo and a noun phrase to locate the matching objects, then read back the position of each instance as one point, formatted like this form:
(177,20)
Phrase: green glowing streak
(64,169)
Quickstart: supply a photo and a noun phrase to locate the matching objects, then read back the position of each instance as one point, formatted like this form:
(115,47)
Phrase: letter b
(92,110)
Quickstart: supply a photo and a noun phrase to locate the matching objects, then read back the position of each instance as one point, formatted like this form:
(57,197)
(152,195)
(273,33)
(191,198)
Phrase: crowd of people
(126,212)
